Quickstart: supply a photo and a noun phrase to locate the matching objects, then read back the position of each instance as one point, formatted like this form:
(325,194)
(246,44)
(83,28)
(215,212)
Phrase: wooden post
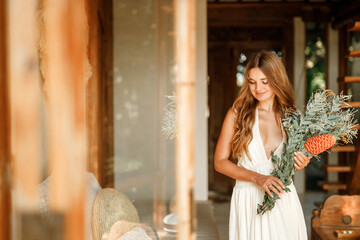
(106,131)
(24,80)
(92,90)
(185,19)
(66,41)
(5,197)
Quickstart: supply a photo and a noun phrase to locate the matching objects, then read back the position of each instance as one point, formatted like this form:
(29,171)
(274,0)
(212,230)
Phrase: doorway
(229,49)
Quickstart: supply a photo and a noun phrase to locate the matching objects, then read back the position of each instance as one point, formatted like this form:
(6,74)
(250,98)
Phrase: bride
(251,130)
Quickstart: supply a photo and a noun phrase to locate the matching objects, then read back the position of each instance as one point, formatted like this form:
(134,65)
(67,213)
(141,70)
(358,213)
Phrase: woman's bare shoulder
(230,117)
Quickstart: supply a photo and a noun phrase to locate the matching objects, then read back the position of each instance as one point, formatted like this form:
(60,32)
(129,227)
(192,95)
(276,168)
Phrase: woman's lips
(260,94)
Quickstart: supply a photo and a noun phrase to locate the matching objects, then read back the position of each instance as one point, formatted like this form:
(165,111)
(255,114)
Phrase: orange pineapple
(319,143)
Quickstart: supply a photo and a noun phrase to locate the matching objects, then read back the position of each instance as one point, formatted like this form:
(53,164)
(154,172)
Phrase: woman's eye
(265,82)
(251,82)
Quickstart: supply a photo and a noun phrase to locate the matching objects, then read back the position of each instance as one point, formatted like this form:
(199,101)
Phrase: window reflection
(142,80)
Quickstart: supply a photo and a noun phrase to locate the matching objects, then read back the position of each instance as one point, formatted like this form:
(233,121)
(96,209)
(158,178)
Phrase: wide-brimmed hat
(109,207)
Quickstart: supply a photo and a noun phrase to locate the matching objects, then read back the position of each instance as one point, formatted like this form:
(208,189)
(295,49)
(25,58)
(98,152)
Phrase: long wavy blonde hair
(245,104)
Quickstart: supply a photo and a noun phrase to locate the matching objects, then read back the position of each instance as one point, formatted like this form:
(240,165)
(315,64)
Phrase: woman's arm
(223,165)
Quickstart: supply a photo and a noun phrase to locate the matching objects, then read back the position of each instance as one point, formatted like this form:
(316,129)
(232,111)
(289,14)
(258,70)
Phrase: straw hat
(109,207)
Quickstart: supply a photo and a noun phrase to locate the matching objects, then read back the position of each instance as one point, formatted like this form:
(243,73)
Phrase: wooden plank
(66,54)
(343,149)
(350,79)
(355,27)
(333,185)
(185,56)
(354,53)
(335,168)
(5,143)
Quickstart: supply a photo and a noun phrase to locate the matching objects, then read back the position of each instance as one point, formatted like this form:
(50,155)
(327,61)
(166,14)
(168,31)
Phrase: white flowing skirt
(284,222)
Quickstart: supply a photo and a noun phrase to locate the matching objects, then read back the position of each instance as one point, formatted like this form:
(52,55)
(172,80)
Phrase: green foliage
(326,113)
(315,57)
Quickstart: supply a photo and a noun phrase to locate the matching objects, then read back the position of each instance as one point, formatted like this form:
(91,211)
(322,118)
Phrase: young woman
(251,130)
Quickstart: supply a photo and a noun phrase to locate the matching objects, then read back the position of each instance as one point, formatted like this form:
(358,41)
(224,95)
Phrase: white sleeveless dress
(284,222)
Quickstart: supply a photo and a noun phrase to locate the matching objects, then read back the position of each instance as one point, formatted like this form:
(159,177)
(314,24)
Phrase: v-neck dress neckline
(257,125)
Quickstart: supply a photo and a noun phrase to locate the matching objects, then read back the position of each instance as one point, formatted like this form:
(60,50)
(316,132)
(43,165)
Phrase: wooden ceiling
(234,33)
(259,12)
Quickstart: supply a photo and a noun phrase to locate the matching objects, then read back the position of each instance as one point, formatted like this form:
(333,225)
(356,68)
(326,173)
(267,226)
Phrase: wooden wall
(5,155)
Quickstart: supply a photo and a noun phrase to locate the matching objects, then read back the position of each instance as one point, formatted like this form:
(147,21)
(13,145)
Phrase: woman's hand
(301,160)
(270,183)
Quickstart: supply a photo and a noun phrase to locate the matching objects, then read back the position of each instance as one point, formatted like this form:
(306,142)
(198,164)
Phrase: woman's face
(259,85)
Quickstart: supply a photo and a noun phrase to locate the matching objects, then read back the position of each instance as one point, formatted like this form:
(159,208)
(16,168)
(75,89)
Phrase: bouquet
(327,119)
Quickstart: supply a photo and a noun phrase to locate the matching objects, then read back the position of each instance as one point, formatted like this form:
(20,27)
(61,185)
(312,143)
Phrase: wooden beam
(248,13)
(5,143)
(246,44)
(24,80)
(334,168)
(106,131)
(287,5)
(355,27)
(185,55)
(333,185)
(354,53)
(66,42)
(349,79)
(92,90)
(343,149)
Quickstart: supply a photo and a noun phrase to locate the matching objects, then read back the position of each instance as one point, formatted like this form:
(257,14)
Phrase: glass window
(142,80)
